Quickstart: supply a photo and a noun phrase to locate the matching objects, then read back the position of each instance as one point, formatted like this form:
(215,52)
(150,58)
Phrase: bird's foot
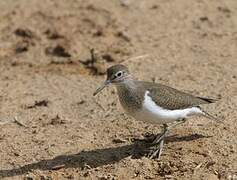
(155,150)
(155,147)
(154,144)
(147,146)
(157,144)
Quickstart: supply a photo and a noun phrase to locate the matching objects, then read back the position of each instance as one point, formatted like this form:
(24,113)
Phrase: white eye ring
(119,74)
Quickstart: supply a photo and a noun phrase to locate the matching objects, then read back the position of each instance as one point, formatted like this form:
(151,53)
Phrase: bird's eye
(119,74)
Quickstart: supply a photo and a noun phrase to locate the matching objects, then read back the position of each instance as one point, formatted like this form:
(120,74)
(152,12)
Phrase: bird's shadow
(93,158)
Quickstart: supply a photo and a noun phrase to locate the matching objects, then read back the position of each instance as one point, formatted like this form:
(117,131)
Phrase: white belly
(152,113)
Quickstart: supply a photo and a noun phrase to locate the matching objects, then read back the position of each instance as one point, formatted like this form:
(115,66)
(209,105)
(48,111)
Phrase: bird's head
(116,74)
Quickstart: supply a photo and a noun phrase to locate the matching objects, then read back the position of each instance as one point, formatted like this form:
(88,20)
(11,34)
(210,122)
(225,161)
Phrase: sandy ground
(47,79)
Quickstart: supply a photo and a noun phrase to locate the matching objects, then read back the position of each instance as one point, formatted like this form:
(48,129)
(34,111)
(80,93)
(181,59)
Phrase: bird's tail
(208,100)
(209,116)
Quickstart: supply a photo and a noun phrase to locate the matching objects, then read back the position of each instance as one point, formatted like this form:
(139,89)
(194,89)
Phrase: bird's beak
(106,83)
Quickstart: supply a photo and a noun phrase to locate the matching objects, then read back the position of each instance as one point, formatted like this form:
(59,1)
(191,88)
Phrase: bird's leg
(161,136)
(159,140)
(166,128)
(159,143)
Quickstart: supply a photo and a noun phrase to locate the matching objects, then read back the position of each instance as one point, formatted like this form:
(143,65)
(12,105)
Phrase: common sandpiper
(153,102)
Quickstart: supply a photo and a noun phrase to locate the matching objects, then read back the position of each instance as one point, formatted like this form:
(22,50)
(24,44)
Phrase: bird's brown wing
(170,98)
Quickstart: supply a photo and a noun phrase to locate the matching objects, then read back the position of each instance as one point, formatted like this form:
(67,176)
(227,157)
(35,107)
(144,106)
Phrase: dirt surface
(52,128)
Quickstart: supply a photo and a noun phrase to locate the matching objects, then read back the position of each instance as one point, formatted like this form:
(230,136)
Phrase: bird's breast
(129,99)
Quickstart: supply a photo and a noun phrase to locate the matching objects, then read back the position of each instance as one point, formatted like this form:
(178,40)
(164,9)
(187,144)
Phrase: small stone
(117,141)
(124,36)
(209,164)
(108,57)
(58,51)
(204,18)
(81,102)
(22,46)
(53,34)
(26,33)
(28,177)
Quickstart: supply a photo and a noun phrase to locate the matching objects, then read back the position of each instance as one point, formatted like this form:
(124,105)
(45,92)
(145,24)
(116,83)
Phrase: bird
(154,102)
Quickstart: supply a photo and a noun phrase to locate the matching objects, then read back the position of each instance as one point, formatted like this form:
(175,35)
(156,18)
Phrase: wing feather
(170,98)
